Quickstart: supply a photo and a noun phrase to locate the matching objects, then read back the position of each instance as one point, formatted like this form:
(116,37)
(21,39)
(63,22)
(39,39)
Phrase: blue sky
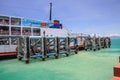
(84,16)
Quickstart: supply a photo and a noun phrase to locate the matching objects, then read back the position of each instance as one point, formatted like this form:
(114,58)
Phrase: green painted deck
(86,65)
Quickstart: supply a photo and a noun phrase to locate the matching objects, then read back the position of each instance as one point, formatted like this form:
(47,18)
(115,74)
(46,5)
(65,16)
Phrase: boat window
(14,41)
(36,32)
(26,31)
(4,41)
(4,20)
(16,21)
(4,30)
(15,30)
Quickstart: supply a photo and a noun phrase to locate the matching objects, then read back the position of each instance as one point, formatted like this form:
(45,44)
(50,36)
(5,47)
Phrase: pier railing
(43,47)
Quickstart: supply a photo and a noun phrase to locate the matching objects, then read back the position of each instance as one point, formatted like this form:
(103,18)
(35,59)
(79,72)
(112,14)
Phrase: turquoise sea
(115,47)
(115,42)
(86,65)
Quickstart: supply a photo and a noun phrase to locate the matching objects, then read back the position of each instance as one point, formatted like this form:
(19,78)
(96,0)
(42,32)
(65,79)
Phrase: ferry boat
(12,27)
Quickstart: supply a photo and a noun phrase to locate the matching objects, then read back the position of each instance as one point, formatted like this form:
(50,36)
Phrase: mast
(50,17)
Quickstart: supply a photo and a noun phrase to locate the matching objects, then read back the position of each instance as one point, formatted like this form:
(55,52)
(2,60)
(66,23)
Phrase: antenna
(50,17)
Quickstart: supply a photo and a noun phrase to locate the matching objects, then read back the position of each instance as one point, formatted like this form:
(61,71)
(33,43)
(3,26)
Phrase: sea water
(115,45)
(86,65)
(115,42)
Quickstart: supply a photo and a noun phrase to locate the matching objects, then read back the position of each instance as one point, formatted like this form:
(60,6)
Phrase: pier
(43,47)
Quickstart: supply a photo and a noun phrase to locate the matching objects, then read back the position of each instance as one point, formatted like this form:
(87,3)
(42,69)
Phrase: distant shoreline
(115,37)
